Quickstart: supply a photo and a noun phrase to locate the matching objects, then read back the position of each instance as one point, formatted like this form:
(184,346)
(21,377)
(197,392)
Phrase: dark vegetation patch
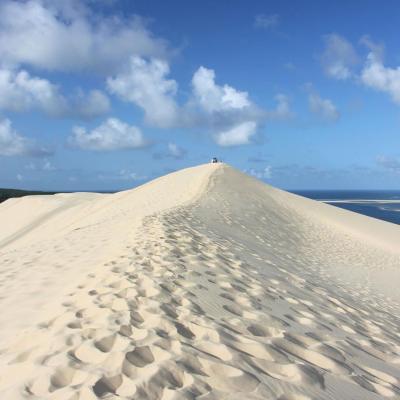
(10,193)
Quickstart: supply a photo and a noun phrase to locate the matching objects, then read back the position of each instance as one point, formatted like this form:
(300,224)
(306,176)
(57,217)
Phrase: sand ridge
(68,235)
(221,297)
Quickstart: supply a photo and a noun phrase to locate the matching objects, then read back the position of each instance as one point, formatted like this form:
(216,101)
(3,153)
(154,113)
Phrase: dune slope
(203,284)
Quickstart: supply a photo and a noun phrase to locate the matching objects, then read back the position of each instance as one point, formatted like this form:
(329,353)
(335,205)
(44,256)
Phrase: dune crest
(203,284)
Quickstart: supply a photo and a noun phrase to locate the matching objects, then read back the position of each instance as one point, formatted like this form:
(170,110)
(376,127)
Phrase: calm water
(386,211)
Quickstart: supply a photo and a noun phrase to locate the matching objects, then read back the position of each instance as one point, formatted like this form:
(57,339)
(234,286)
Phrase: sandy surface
(203,284)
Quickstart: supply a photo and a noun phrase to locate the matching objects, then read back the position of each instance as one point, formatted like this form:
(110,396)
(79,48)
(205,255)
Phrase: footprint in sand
(140,356)
(229,379)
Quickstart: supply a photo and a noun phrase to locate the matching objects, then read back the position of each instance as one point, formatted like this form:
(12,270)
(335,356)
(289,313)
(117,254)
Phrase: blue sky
(106,95)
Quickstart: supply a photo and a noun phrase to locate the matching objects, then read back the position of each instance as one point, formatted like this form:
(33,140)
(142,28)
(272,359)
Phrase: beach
(202,284)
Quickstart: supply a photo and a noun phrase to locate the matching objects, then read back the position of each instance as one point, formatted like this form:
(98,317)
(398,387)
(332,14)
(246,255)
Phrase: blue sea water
(388,211)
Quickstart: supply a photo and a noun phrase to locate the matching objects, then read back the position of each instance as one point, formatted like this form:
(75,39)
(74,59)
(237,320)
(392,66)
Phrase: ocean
(380,204)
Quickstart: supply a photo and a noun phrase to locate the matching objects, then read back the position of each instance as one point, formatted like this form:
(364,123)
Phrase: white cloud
(377,49)
(70,37)
(113,134)
(322,107)
(173,151)
(282,110)
(225,112)
(266,21)
(145,84)
(339,57)
(233,118)
(237,135)
(176,151)
(22,92)
(221,109)
(212,97)
(265,173)
(376,76)
(13,144)
(20,178)
(66,36)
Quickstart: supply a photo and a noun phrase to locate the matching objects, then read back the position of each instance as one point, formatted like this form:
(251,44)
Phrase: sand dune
(203,284)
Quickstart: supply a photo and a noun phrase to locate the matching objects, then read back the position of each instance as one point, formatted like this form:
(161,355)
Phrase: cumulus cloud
(225,111)
(113,134)
(385,79)
(11,143)
(145,84)
(265,173)
(324,108)
(212,97)
(282,110)
(377,49)
(20,92)
(14,144)
(66,36)
(338,57)
(176,151)
(237,135)
(233,118)
(70,37)
(173,151)
(266,21)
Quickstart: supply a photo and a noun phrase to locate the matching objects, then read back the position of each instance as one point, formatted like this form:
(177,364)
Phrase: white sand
(203,284)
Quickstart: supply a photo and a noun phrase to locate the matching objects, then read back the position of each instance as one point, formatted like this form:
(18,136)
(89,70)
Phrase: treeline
(9,193)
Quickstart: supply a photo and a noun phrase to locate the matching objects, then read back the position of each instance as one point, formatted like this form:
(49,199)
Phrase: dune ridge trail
(236,291)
